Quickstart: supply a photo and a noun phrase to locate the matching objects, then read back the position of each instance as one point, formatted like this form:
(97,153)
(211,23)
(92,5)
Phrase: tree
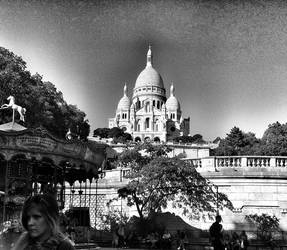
(238,143)
(44,103)
(109,221)
(265,224)
(118,134)
(274,140)
(197,138)
(101,132)
(156,180)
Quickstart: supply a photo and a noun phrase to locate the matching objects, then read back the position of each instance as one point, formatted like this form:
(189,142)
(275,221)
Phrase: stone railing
(195,162)
(216,163)
(250,161)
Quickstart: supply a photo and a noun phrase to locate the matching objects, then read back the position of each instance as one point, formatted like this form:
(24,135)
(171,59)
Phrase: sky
(227,59)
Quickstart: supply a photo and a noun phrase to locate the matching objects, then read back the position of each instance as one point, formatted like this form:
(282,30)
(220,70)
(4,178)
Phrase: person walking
(243,240)
(216,234)
(181,236)
(235,241)
(40,219)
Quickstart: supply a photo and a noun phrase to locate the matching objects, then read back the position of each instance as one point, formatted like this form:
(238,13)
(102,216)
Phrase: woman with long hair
(40,219)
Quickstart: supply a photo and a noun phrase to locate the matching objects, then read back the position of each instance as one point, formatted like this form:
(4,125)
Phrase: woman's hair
(47,206)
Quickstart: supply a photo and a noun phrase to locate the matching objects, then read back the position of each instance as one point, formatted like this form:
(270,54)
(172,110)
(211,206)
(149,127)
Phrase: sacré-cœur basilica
(149,115)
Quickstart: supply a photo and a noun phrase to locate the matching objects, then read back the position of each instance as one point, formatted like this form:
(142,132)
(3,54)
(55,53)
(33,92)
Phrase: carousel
(33,161)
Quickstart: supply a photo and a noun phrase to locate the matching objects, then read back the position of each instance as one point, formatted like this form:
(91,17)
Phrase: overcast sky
(227,59)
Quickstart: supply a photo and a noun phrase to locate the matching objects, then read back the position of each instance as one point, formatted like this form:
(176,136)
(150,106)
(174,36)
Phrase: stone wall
(253,184)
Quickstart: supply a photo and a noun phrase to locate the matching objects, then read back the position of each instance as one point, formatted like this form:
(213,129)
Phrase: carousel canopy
(39,143)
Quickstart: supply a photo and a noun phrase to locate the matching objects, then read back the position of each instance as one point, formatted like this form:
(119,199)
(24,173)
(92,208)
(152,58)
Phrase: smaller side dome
(172,103)
(124,103)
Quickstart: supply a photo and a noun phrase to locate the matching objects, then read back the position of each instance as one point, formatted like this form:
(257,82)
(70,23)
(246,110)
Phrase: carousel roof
(12,126)
(39,144)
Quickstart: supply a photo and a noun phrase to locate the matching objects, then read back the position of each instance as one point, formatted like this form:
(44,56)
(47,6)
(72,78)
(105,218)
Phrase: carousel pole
(96,207)
(13,117)
(73,192)
(90,193)
(80,193)
(5,194)
(85,192)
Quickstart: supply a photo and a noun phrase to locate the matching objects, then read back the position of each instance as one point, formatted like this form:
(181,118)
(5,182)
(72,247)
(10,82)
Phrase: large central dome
(149,76)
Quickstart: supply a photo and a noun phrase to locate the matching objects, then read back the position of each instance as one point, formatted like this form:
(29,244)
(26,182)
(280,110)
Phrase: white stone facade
(149,115)
(254,184)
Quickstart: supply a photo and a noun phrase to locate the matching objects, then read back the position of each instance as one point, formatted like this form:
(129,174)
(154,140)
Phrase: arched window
(156,139)
(147,107)
(147,139)
(156,127)
(147,123)
(138,127)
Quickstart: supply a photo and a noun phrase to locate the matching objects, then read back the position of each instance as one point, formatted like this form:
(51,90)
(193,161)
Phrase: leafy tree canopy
(274,140)
(238,143)
(156,179)
(197,138)
(44,104)
(266,224)
(118,135)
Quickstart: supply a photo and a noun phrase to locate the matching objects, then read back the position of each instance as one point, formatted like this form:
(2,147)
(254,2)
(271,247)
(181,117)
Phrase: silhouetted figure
(235,241)
(216,234)
(166,240)
(227,242)
(122,236)
(243,241)
(181,236)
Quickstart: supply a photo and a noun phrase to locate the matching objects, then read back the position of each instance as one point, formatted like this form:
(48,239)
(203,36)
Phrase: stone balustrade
(218,164)
(240,162)
(250,161)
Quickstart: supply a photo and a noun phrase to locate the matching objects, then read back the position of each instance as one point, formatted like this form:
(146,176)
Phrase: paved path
(110,248)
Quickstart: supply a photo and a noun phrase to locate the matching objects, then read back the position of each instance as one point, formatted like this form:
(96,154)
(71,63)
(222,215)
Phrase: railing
(250,161)
(215,163)
(195,162)
(239,162)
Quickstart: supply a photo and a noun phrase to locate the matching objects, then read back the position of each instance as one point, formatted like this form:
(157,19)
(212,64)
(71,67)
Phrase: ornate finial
(149,57)
(125,89)
(14,107)
(172,89)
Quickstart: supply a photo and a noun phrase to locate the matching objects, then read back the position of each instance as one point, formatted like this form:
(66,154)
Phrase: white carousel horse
(14,107)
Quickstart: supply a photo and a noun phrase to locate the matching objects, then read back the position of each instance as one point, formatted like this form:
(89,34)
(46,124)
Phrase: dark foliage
(118,135)
(156,180)
(44,103)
